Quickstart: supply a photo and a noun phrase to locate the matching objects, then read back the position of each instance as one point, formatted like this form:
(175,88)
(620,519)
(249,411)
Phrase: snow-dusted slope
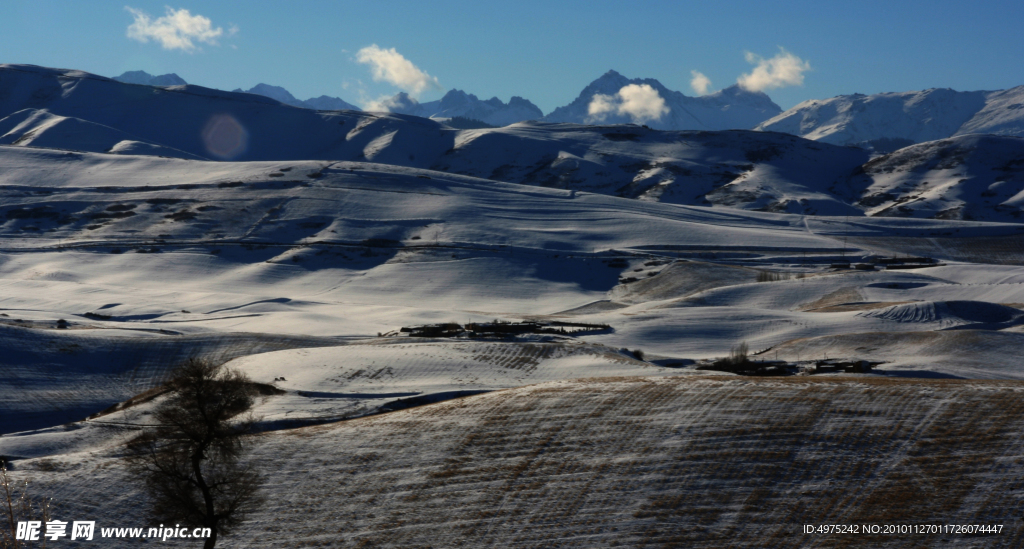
(1003,114)
(40,128)
(966,177)
(459,103)
(887,121)
(728,109)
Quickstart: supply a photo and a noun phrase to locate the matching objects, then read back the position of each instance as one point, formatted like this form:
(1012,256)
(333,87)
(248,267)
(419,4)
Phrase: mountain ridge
(322,103)
(457,103)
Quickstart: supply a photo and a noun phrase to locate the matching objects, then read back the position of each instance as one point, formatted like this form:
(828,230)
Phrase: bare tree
(191,462)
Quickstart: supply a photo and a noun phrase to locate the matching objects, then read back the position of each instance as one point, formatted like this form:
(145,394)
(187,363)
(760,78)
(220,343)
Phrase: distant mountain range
(322,103)
(731,108)
(882,122)
(457,103)
(970,177)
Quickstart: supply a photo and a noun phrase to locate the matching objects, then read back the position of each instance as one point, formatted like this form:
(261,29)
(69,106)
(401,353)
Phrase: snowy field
(117,266)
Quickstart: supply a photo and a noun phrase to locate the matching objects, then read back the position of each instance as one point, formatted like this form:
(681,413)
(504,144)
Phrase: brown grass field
(639,462)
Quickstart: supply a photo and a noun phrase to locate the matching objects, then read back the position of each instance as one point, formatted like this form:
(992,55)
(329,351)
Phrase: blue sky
(545,51)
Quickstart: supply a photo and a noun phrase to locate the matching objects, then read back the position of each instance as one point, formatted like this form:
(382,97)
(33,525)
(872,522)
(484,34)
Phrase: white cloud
(785,69)
(640,102)
(390,66)
(380,104)
(375,105)
(600,105)
(700,83)
(400,102)
(177,30)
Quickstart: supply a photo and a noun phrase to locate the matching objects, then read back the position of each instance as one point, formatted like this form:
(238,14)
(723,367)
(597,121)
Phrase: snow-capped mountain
(455,103)
(146,79)
(322,103)
(731,108)
(888,121)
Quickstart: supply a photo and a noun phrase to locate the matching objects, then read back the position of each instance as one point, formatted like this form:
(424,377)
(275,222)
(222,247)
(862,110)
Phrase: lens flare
(225,137)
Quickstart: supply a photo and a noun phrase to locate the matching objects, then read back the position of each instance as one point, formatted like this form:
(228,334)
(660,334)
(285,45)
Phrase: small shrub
(771,276)
(17,508)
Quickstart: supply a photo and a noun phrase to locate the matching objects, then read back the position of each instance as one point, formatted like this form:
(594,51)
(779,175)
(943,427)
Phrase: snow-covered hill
(738,169)
(964,177)
(457,103)
(728,109)
(888,121)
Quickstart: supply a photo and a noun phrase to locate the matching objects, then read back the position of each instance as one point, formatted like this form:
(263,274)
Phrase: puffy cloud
(390,66)
(399,103)
(600,105)
(785,69)
(381,104)
(700,83)
(640,102)
(176,30)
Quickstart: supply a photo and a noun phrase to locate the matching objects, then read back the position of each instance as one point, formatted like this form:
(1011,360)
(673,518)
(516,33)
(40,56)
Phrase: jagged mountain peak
(611,82)
(275,92)
(455,98)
